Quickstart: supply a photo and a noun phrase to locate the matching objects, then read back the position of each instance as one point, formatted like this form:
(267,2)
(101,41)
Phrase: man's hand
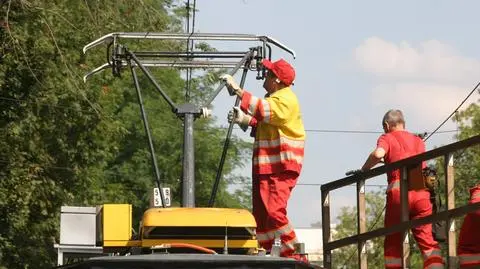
(232,85)
(239,117)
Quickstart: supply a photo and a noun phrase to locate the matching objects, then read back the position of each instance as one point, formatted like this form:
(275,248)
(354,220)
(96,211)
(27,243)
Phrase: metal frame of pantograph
(119,57)
(405,225)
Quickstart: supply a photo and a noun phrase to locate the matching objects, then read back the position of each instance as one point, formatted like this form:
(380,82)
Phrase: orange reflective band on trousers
(469,260)
(419,206)
(393,262)
(433,259)
(275,233)
(270,194)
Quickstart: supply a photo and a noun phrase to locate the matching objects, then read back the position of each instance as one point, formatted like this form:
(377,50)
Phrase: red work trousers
(270,195)
(469,240)
(419,206)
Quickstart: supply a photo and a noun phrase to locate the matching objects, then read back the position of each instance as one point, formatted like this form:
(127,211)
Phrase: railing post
(405,216)
(327,254)
(450,198)
(362,223)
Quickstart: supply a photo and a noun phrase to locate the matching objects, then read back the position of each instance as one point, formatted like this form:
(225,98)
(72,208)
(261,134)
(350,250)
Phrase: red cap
(282,70)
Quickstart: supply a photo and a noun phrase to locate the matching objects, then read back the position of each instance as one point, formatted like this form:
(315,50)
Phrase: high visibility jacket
(280,135)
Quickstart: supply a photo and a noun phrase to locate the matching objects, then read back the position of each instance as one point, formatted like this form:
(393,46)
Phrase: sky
(355,60)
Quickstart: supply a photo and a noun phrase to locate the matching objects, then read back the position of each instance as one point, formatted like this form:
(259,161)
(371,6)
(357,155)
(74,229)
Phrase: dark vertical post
(327,254)
(188,183)
(362,223)
(450,198)
(404,216)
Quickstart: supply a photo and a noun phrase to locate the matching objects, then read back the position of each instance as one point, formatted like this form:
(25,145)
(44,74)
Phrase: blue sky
(355,60)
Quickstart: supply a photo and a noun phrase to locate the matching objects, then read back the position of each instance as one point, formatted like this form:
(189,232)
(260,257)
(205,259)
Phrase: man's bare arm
(374,158)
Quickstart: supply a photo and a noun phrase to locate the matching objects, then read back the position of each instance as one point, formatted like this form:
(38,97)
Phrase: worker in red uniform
(394,145)
(469,240)
(277,152)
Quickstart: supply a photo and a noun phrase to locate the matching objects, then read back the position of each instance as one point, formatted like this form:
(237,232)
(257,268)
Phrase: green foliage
(346,257)
(467,162)
(68,143)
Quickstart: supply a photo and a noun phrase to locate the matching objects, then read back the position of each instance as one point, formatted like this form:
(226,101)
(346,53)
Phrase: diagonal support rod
(211,202)
(248,56)
(152,80)
(147,131)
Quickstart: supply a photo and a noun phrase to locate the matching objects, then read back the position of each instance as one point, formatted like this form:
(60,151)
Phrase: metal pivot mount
(119,58)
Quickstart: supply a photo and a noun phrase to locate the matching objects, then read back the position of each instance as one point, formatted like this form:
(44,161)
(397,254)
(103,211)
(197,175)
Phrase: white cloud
(430,60)
(428,80)
(426,104)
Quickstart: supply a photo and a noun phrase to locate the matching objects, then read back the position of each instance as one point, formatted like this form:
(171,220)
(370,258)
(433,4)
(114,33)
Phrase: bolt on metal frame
(119,57)
(405,225)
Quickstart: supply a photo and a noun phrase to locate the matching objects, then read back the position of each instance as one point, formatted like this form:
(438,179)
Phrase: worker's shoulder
(285,93)
(404,136)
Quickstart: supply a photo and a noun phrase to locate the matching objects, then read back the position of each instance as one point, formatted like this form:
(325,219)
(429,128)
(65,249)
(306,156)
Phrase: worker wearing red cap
(469,239)
(397,144)
(277,153)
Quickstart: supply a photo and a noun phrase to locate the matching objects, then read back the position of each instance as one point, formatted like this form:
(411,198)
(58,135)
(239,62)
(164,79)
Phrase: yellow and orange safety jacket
(280,135)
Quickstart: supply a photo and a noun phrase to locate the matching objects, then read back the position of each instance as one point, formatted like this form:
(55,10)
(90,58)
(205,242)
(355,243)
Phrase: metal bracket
(113,37)
(116,59)
(153,63)
(188,109)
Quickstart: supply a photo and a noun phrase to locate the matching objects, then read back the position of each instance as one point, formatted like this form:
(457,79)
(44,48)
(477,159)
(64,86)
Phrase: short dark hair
(393,117)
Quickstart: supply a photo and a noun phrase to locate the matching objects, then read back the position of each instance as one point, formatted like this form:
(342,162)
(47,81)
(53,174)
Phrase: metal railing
(405,225)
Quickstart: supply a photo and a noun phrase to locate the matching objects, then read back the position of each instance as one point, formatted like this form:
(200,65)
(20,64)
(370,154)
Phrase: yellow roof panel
(198,217)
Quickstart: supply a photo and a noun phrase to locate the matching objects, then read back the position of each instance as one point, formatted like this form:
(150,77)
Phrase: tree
(68,143)
(346,257)
(467,162)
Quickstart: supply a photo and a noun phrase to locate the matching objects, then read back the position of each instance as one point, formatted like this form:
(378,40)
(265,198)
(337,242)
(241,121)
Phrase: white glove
(239,117)
(231,84)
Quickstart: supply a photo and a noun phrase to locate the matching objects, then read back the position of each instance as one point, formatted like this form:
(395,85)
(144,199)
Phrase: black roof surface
(184,261)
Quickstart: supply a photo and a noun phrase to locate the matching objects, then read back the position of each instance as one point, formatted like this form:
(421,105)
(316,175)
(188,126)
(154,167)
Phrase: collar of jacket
(279,91)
